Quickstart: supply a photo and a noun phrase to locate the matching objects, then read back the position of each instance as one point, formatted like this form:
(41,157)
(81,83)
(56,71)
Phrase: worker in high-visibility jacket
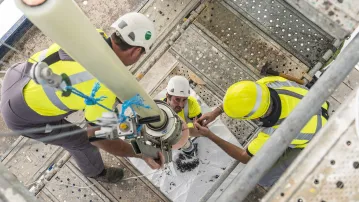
(179,97)
(268,101)
(26,105)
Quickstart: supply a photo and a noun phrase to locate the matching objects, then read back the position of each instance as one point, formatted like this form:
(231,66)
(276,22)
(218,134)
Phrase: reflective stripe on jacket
(191,110)
(48,101)
(290,94)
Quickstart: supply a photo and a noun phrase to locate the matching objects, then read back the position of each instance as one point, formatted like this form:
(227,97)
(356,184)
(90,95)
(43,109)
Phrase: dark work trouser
(279,167)
(18,116)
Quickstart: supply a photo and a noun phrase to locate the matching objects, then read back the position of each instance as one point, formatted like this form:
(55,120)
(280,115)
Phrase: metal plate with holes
(248,43)
(126,190)
(165,14)
(103,13)
(70,185)
(288,27)
(335,178)
(207,59)
(30,158)
(241,129)
(331,174)
(336,17)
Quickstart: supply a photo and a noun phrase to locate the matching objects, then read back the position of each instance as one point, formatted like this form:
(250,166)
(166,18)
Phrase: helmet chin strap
(275,108)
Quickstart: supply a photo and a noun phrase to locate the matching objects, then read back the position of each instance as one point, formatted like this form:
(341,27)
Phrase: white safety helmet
(178,86)
(136,30)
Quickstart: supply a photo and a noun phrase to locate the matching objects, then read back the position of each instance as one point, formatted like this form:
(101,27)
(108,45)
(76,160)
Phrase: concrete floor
(221,46)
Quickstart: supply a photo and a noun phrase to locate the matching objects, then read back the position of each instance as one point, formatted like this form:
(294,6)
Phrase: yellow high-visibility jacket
(191,110)
(290,94)
(47,101)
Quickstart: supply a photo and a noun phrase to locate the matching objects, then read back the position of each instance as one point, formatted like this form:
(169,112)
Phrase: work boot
(192,152)
(110,175)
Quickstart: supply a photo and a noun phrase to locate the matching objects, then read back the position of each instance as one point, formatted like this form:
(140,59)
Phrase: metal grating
(209,60)
(287,26)
(165,14)
(247,42)
(337,17)
(207,96)
(242,130)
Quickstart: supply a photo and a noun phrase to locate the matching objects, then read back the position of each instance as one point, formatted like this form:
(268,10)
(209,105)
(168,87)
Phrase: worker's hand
(206,118)
(155,163)
(202,130)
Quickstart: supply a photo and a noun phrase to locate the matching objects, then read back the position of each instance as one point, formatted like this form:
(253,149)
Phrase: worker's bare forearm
(218,110)
(231,149)
(116,147)
(193,132)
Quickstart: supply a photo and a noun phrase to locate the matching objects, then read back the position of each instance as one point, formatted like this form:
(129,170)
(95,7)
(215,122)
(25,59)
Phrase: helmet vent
(132,36)
(122,25)
(172,90)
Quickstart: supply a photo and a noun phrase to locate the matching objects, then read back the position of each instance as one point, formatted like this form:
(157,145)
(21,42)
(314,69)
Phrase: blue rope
(90,100)
(137,101)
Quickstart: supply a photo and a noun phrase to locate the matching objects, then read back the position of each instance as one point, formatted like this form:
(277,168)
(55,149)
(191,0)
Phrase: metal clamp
(149,141)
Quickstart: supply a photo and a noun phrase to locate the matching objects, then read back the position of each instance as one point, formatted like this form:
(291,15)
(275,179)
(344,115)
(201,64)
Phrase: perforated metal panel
(337,17)
(126,190)
(29,159)
(207,96)
(241,129)
(68,185)
(207,59)
(335,178)
(328,169)
(178,70)
(165,14)
(248,43)
(287,26)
